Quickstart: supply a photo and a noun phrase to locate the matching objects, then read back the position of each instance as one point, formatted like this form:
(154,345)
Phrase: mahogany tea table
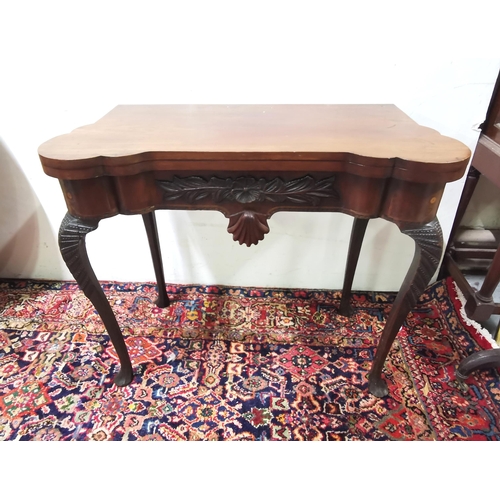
(248,162)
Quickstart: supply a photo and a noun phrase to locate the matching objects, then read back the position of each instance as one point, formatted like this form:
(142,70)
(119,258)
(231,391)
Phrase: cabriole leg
(357,235)
(428,249)
(72,235)
(154,245)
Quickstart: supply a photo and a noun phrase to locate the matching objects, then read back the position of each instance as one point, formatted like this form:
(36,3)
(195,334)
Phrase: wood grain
(132,139)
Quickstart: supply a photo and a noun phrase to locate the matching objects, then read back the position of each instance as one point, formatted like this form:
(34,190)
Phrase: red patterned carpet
(237,364)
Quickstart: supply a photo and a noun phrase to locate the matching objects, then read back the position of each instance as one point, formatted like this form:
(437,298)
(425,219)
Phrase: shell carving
(248,227)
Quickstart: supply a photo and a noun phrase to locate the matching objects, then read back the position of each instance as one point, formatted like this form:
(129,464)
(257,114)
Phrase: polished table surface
(248,162)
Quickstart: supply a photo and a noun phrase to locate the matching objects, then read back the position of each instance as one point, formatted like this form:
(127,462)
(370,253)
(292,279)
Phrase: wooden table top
(378,134)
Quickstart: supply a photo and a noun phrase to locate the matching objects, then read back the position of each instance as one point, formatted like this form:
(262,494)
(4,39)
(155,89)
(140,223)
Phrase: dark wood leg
(154,245)
(357,235)
(74,252)
(476,361)
(428,249)
(480,306)
(467,192)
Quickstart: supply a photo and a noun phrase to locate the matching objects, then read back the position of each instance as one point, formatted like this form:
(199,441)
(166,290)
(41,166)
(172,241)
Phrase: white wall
(483,210)
(65,64)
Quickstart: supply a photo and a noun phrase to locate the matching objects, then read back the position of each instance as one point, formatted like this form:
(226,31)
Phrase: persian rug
(229,363)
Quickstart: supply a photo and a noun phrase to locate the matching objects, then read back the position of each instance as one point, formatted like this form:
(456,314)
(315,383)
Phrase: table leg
(74,252)
(154,245)
(357,235)
(428,250)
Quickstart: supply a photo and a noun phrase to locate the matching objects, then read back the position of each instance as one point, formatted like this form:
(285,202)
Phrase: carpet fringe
(480,330)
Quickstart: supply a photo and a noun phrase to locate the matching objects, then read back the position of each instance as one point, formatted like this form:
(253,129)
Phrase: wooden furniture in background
(480,304)
(250,161)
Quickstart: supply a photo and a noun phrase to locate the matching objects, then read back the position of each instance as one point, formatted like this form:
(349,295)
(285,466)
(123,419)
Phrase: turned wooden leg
(478,361)
(74,252)
(428,249)
(480,306)
(357,235)
(154,245)
(471,181)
